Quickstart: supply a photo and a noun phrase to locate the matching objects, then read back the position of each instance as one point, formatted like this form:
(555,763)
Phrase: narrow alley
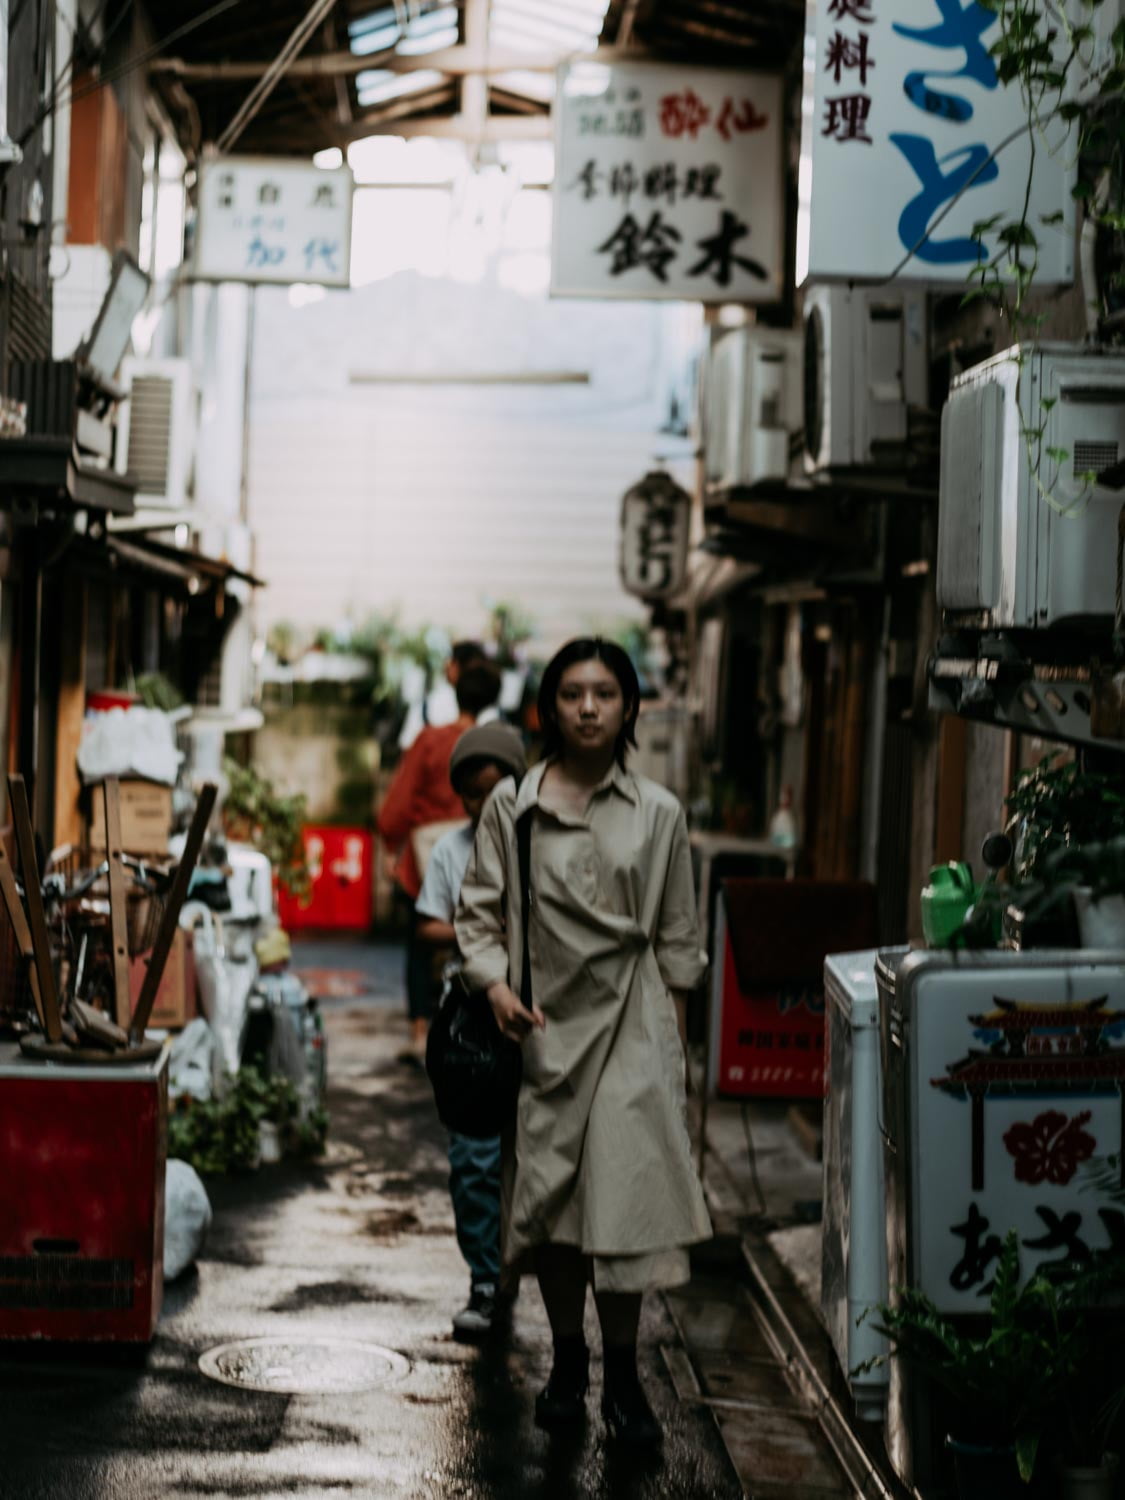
(358,1251)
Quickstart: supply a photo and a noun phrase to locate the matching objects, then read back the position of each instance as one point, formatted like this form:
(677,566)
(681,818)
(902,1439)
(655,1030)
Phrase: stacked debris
(72,931)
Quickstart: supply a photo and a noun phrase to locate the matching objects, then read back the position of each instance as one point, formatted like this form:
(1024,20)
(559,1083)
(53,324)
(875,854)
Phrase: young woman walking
(599,1186)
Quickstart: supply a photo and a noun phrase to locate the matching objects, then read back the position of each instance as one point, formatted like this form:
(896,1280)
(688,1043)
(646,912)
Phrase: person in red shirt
(421,793)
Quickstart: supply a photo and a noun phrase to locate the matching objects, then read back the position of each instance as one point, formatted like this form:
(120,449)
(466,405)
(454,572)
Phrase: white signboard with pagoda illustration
(1016,1099)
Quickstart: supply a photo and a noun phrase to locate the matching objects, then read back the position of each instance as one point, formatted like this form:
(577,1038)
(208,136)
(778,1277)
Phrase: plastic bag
(129,742)
(191,1061)
(187,1218)
(224,991)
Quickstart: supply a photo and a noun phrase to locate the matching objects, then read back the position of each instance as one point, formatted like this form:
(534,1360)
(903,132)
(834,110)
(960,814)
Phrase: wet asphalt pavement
(357,1247)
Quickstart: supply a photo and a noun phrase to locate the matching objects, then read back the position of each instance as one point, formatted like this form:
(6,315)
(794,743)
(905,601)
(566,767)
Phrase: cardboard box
(146,817)
(176,998)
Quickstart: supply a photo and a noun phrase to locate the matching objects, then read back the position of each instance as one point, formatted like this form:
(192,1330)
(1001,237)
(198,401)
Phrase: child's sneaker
(475,1320)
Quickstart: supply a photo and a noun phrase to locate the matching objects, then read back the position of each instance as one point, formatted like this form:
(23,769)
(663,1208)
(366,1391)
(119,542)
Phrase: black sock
(570,1350)
(620,1362)
(572,1360)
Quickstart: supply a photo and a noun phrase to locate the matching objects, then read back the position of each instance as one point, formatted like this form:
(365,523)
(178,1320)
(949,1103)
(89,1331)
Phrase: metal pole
(247,383)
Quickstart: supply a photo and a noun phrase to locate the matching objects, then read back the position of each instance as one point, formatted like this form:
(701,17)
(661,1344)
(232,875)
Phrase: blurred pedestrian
(482,758)
(439,705)
(421,795)
(598,1183)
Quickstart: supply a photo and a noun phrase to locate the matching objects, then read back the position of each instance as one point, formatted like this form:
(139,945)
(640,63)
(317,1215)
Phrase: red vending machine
(340,868)
(766,1017)
(82,1156)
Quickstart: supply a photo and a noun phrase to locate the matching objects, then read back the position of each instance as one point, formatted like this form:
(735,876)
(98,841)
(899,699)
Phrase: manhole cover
(303,1366)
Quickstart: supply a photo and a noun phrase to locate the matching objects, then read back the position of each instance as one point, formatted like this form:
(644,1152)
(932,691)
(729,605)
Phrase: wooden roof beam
(458,62)
(452,128)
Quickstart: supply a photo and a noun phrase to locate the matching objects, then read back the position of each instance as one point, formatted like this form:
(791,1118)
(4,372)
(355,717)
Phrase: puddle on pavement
(299,1367)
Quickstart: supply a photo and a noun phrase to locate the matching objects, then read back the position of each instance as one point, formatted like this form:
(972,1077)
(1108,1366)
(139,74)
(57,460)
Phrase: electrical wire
(68,67)
(140,61)
(1024,129)
(274,73)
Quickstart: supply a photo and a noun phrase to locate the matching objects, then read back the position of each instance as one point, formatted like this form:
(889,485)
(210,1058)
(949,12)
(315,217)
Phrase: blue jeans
(474,1186)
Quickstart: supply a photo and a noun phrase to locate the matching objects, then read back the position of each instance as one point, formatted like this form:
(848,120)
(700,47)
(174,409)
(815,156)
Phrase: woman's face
(590,707)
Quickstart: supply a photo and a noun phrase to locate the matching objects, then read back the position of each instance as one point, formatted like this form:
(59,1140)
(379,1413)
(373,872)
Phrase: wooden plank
(455,128)
(36,917)
(71,714)
(949,829)
(455,61)
(172,905)
(117,899)
(18,918)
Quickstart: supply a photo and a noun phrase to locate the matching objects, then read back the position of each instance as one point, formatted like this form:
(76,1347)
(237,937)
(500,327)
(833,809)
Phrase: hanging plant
(256,813)
(1073,89)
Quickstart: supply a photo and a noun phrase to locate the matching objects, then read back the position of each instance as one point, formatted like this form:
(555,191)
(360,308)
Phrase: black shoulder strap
(523,845)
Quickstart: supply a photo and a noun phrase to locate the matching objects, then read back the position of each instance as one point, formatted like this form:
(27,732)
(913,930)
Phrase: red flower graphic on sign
(1050,1148)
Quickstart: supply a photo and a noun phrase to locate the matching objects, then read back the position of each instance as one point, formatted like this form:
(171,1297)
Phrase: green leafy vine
(1073,90)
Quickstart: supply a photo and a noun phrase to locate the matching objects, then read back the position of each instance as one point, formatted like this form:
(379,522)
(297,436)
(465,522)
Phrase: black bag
(475,1070)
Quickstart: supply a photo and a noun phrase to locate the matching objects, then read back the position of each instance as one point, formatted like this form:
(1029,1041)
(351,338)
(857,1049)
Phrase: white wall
(433,499)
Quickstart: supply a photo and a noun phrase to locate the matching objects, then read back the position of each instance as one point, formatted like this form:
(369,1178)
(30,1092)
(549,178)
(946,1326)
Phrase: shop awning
(179,568)
(216,570)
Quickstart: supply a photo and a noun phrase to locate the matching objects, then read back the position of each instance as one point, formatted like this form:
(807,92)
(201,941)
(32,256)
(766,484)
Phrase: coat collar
(617,780)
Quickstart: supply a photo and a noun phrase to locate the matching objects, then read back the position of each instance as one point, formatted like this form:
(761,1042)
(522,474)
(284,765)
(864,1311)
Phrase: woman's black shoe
(562,1401)
(628,1416)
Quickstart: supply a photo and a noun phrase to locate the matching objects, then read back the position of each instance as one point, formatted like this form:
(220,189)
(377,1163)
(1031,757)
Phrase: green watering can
(945,901)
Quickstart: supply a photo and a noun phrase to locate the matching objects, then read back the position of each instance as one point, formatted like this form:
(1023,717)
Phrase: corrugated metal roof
(330,96)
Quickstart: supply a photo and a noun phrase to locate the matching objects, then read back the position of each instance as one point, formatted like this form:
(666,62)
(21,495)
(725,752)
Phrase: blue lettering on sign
(322,251)
(960,27)
(260,255)
(938,187)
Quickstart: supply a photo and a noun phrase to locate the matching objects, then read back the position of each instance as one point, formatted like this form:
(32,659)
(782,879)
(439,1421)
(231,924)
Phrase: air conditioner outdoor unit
(154,429)
(752,406)
(1023,538)
(866,365)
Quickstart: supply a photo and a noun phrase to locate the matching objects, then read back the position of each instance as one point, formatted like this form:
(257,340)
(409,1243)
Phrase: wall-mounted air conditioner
(751,406)
(866,365)
(155,429)
(1024,538)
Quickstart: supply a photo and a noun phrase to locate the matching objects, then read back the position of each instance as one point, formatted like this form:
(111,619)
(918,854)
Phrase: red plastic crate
(82,1158)
(340,864)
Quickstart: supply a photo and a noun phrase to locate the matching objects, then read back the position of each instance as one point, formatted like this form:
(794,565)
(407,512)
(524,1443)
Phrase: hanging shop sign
(1019,1114)
(655,523)
(668,183)
(275,220)
(914,139)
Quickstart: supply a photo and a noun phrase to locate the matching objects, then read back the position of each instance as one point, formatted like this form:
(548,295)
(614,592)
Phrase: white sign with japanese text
(1017,1100)
(914,139)
(270,219)
(668,183)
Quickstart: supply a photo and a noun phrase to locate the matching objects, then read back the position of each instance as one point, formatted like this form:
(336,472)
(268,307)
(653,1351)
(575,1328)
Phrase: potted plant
(1033,1361)
(280,1107)
(1067,822)
(254,812)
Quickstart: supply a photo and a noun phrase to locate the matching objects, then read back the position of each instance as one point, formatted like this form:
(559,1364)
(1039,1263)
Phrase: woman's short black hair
(589,648)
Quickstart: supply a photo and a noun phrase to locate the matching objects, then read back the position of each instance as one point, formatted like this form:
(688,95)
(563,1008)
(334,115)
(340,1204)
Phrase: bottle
(783,825)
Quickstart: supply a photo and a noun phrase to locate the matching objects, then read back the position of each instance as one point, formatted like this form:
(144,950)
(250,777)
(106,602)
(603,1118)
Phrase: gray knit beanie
(496,742)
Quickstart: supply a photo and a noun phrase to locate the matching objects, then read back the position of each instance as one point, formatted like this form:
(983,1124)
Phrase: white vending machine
(854,1243)
(1003,1111)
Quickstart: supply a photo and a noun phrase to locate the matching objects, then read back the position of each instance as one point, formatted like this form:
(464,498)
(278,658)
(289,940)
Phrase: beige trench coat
(601,1158)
